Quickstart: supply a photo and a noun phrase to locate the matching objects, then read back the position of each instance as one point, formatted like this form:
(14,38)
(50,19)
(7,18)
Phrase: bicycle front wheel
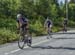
(49,34)
(21,42)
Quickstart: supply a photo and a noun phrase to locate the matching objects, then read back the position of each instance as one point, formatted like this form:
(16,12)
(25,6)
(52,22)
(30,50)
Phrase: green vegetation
(36,11)
(7,36)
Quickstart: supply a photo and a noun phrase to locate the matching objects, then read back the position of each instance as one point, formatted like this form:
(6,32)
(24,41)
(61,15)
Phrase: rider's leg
(50,31)
(65,28)
(29,37)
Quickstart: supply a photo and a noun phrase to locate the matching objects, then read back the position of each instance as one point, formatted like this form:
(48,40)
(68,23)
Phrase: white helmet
(19,15)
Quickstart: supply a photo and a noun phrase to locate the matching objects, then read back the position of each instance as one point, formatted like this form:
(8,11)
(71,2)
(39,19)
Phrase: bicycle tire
(49,35)
(21,42)
(29,42)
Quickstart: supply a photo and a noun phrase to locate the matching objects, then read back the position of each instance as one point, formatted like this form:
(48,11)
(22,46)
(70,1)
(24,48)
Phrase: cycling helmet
(19,15)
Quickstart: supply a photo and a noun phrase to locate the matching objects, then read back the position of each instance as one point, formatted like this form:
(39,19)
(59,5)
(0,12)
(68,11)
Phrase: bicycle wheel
(64,29)
(21,42)
(29,42)
(49,34)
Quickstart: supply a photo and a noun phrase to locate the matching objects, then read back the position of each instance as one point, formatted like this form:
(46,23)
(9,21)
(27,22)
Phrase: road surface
(63,44)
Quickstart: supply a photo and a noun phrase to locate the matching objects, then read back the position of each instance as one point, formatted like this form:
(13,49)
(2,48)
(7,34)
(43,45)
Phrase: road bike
(49,31)
(65,28)
(24,38)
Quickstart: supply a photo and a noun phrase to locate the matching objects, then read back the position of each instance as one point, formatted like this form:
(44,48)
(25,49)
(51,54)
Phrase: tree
(72,1)
(72,11)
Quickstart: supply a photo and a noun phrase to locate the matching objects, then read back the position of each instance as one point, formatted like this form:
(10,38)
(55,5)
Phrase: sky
(62,1)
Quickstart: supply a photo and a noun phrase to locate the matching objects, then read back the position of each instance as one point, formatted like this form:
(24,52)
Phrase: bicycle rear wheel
(49,34)
(29,42)
(21,42)
(64,29)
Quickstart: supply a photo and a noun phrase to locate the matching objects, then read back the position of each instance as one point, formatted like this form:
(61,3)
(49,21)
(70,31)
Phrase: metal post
(66,9)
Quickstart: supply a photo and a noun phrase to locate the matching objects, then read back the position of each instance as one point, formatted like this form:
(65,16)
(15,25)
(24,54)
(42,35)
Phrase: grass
(7,36)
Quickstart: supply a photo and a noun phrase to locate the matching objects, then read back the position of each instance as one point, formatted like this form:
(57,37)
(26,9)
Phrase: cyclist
(65,25)
(48,25)
(23,23)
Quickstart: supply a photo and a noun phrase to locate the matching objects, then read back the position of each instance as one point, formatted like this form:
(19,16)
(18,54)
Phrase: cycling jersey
(48,23)
(22,20)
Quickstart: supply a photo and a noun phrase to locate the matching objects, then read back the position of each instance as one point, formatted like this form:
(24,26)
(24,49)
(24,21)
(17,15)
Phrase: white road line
(11,52)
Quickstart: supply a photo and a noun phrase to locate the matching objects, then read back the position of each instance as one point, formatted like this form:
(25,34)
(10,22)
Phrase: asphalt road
(63,44)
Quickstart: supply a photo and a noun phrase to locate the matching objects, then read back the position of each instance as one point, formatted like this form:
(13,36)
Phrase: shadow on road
(63,38)
(50,47)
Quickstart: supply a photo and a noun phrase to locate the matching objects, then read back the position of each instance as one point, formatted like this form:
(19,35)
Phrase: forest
(36,11)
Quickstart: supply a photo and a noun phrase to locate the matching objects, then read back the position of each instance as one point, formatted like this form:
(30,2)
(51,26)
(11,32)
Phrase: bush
(8,23)
(71,23)
(7,36)
(37,28)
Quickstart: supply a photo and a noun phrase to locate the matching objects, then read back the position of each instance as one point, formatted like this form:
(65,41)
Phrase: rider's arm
(18,24)
(45,24)
(51,23)
(28,24)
